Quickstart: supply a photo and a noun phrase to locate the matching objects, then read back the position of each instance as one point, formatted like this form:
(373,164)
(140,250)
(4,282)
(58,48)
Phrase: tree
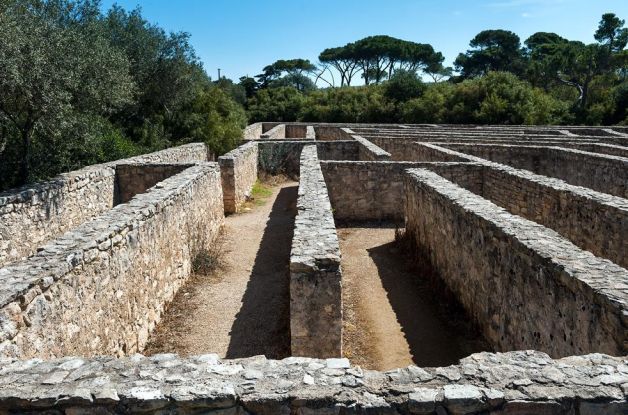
(166,70)
(250,85)
(343,60)
(296,70)
(493,50)
(53,68)
(216,119)
(276,104)
(403,86)
(611,32)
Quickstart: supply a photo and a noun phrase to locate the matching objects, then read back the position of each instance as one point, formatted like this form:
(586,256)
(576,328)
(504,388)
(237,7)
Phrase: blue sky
(243,36)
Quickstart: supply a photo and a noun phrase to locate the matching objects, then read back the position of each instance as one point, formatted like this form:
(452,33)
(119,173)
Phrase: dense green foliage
(79,87)
(548,80)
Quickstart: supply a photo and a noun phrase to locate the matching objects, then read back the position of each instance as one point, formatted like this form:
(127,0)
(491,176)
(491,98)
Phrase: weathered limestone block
(315,274)
(238,169)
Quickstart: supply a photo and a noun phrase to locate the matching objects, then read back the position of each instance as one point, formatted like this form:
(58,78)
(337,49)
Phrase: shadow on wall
(437,333)
(262,327)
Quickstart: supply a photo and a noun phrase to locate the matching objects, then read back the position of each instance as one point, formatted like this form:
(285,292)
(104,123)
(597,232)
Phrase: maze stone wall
(315,274)
(524,285)
(34,214)
(100,288)
(238,169)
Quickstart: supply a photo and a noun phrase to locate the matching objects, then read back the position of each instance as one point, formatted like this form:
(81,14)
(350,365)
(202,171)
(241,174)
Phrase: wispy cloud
(526,15)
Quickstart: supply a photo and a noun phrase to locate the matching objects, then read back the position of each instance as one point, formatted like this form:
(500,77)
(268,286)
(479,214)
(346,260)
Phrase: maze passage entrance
(392,316)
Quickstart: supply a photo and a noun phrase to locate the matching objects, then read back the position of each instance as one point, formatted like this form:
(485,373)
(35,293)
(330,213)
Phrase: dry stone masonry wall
(512,383)
(523,284)
(100,288)
(315,274)
(32,215)
(239,173)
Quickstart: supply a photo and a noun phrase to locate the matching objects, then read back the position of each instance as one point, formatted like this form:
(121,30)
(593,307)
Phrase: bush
(275,104)
(403,86)
(349,104)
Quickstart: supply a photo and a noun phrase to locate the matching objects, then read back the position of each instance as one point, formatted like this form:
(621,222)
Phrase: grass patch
(260,193)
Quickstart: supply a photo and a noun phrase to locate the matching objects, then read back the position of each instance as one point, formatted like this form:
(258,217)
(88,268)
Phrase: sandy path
(392,319)
(242,310)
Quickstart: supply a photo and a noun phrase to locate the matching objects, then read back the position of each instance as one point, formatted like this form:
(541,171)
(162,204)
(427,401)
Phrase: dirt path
(392,318)
(242,310)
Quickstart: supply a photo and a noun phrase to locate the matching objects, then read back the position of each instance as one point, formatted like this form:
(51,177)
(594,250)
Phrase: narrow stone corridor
(242,309)
(392,317)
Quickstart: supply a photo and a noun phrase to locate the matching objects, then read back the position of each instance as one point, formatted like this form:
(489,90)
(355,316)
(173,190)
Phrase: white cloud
(526,15)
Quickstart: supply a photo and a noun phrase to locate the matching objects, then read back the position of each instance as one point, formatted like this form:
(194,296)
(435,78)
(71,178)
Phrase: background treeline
(546,80)
(79,86)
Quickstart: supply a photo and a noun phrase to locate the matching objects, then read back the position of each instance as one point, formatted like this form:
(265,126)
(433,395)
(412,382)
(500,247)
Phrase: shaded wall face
(133,179)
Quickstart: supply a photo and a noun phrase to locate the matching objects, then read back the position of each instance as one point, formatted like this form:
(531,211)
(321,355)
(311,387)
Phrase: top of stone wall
(315,242)
(515,383)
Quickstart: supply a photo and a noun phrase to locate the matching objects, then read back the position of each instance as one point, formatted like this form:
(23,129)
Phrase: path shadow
(438,333)
(262,326)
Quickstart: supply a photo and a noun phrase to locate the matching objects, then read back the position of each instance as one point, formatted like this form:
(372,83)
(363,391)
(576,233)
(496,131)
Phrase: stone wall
(238,169)
(310,133)
(34,214)
(296,131)
(594,221)
(278,131)
(283,156)
(374,191)
(315,274)
(101,288)
(133,179)
(524,285)
(604,173)
(331,133)
(253,131)
(368,151)
(514,383)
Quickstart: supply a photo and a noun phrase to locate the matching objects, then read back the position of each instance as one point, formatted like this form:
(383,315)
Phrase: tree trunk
(25,168)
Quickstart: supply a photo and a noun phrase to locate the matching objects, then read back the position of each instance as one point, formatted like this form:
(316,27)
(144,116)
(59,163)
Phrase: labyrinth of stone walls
(504,217)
